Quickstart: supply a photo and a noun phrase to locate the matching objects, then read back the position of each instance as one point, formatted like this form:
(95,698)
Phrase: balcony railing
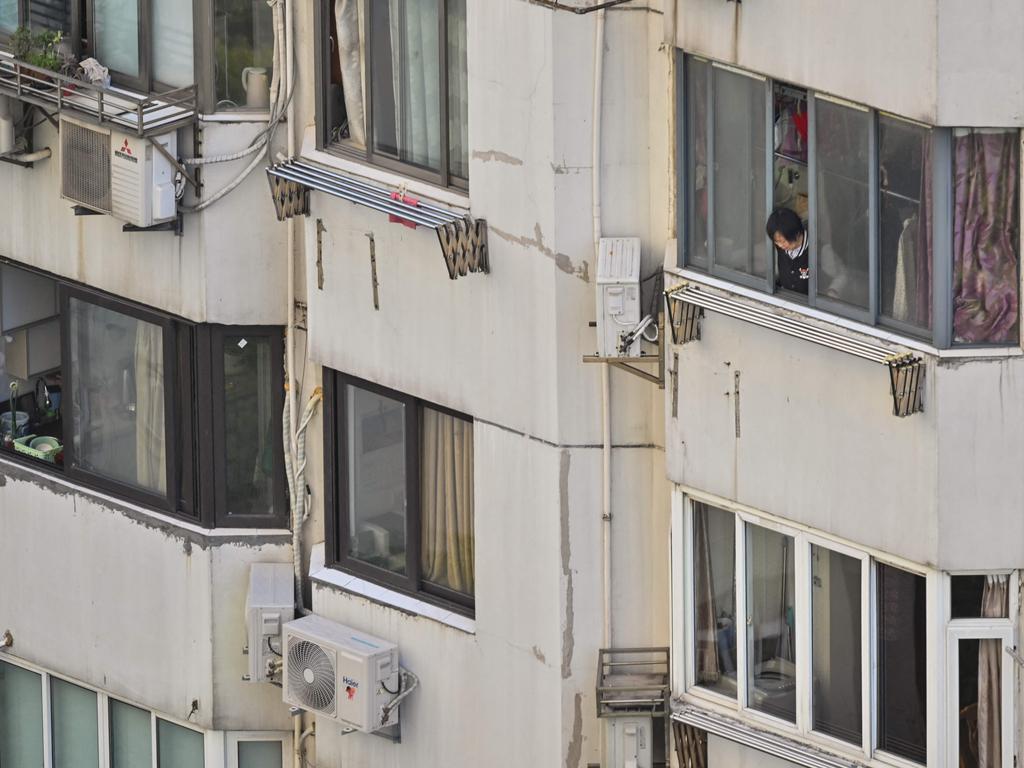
(130,112)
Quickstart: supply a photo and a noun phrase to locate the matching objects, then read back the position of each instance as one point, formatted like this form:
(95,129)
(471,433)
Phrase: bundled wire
(279,100)
(404,689)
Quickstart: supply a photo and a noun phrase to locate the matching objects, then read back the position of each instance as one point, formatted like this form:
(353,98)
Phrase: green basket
(21,445)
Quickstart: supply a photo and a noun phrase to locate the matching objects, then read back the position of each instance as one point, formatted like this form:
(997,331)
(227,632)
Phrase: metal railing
(131,112)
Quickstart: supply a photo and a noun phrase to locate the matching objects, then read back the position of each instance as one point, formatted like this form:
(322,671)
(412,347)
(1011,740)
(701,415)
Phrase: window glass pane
(836,644)
(740,240)
(902,663)
(376,453)
(50,14)
(30,362)
(21,717)
(790,185)
(117,35)
(259,754)
(980,596)
(117,364)
(345,95)
(905,225)
(251,424)
(74,725)
(458,96)
(696,99)
(178,747)
(8,16)
(980,702)
(405,81)
(243,53)
(131,743)
(172,42)
(714,599)
(771,618)
(446,500)
(842,217)
(986,225)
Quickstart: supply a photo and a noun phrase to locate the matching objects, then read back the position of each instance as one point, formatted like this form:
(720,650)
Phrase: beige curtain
(706,639)
(446,500)
(350,53)
(150,438)
(994,605)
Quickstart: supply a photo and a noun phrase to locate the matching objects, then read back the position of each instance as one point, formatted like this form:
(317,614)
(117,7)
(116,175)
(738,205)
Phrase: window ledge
(835,322)
(55,481)
(320,573)
(236,116)
(748,735)
(372,173)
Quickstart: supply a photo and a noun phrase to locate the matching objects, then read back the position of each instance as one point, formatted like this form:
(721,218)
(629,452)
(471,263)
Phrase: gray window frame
(940,335)
(322,44)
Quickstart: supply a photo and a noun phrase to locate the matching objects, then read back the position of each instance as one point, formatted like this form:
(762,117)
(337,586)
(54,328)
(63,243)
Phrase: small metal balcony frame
(133,113)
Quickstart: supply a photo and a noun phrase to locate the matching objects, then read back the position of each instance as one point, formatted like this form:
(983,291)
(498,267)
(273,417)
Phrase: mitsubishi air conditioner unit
(117,173)
(340,674)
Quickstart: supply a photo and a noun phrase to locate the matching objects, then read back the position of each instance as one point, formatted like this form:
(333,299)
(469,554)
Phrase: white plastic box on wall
(618,295)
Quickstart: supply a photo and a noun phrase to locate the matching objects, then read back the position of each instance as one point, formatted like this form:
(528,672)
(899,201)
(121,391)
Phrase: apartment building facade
(371,370)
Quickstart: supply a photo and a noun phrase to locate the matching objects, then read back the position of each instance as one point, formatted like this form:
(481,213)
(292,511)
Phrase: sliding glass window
(906,226)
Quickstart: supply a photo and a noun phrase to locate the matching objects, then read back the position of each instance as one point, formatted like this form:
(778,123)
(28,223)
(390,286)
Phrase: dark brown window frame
(336,515)
(192,391)
(323,43)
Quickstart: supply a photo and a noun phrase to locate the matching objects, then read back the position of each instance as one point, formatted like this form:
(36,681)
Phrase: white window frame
(232,739)
(684,670)
(103,717)
(1003,629)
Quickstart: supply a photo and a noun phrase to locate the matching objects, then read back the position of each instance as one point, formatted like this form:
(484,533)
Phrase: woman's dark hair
(785,222)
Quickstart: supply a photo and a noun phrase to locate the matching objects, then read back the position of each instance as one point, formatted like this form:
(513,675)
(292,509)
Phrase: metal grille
(311,677)
(691,745)
(85,165)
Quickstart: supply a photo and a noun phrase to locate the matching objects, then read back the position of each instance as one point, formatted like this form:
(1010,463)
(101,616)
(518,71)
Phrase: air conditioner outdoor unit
(269,604)
(117,173)
(340,673)
(618,296)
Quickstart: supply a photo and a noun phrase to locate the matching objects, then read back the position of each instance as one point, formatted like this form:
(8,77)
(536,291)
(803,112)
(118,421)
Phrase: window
(980,712)
(180,417)
(876,247)
(178,747)
(265,749)
(130,741)
(783,625)
(146,44)
(21,717)
(394,84)
(402,490)
(74,724)
(243,53)
(902,664)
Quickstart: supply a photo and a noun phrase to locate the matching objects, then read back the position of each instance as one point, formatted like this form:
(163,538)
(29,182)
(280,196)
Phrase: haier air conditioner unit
(120,174)
(340,673)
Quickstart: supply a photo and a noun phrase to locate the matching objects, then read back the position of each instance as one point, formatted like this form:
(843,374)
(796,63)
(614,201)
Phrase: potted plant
(45,49)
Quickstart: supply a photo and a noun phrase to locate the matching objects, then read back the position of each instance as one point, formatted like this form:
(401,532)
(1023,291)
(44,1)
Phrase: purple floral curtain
(985,236)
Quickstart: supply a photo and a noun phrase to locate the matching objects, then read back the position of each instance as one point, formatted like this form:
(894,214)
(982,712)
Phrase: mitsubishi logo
(125,148)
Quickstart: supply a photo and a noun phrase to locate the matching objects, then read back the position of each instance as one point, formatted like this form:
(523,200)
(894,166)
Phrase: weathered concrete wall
(945,62)
(228,267)
(123,601)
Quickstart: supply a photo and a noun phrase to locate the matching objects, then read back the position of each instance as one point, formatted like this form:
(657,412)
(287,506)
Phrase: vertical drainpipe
(606,441)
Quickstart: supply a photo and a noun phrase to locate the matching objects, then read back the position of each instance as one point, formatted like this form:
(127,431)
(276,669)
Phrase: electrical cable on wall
(263,140)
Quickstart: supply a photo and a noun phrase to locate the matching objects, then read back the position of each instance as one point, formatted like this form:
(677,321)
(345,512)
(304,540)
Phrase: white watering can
(256,81)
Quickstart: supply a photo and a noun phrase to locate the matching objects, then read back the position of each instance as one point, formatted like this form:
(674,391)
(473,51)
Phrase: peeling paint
(568,639)
(188,538)
(575,751)
(539,655)
(563,169)
(562,260)
(493,155)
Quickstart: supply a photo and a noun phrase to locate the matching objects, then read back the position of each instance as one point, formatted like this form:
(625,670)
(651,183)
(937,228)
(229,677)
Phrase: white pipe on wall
(606,441)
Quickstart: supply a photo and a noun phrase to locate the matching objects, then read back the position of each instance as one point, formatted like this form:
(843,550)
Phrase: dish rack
(21,445)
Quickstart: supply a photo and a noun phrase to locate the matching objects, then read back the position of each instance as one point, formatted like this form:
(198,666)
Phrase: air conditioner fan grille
(311,675)
(85,165)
